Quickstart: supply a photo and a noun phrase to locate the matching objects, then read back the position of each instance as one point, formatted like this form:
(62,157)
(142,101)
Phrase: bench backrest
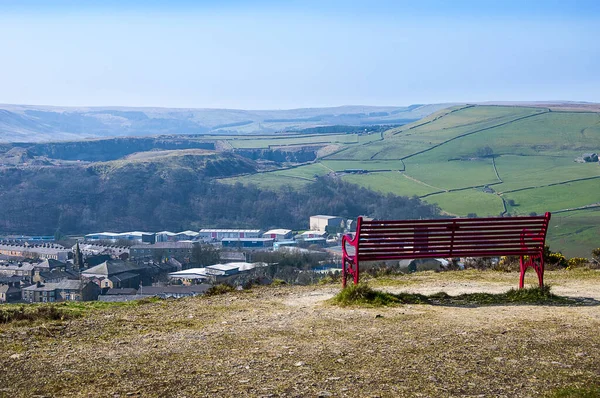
(458,237)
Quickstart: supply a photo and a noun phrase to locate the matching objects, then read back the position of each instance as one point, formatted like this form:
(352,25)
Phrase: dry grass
(288,341)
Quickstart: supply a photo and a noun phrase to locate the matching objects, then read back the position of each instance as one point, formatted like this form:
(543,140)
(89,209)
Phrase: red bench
(382,240)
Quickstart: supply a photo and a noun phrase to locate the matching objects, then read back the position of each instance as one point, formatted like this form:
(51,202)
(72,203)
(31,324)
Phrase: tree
(205,254)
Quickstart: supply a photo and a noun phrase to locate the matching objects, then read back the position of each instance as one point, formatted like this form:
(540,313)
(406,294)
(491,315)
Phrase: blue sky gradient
(277,55)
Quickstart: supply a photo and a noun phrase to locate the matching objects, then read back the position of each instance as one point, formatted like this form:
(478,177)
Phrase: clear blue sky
(290,54)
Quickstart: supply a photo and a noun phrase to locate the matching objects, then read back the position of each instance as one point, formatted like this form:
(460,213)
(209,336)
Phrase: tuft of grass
(364,295)
(576,392)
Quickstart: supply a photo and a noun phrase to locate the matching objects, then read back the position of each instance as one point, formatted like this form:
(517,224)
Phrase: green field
(556,197)
(575,233)
(457,147)
(390,182)
(534,171)
(452,175)
(462,203)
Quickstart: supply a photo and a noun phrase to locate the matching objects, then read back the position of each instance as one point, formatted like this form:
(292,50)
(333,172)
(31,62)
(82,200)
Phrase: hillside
(483,160)
(289,341)
(26,123)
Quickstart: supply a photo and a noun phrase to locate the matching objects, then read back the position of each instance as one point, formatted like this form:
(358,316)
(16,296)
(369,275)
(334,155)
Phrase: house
(50,264)
(278,234)
(43,251)
(248,243)
(66,290)
(117,273)
(54,275)
(220,234)
(24,270)
(9,293)
(321,223)
(179,250)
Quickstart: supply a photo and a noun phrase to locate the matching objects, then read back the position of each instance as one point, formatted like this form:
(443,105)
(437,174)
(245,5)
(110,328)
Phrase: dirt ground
(290,342)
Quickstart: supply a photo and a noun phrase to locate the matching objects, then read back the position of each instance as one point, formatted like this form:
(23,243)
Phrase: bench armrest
(351,241)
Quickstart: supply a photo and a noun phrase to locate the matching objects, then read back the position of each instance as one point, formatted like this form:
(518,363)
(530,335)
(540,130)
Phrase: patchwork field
(291,341)
(514,156)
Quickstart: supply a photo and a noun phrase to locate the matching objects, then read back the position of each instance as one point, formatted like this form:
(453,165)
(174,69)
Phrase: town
(125,266)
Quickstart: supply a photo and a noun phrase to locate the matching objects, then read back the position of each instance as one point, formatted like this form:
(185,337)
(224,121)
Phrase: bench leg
(349,268)
(535,262)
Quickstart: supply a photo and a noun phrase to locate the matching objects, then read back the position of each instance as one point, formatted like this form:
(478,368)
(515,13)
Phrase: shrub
(220,289)
(576,262)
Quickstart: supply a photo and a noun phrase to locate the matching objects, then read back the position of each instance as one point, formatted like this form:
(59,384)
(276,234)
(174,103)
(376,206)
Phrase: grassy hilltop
(484,160)
(292,341)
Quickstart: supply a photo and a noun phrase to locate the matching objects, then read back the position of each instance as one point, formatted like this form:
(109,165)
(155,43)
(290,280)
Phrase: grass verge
(60,311)
(364,295)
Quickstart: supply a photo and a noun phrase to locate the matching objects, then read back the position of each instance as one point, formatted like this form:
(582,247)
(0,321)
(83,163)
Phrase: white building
(278,234)
(320,222)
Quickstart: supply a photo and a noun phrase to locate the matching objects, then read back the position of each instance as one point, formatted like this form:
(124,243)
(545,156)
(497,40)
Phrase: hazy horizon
(264,55)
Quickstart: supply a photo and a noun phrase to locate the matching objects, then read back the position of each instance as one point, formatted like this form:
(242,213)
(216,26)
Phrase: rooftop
(279,231)
(230,230)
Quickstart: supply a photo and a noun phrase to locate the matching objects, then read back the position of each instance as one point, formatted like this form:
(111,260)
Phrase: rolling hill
(24,123)
(487,160)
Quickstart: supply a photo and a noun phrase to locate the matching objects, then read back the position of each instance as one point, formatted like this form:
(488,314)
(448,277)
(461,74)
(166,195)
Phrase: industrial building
(135,236)
(320,222)
(219,234)
(278,234)
(248,243)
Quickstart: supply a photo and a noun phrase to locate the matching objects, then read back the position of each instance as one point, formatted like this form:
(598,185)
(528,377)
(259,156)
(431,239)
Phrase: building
(9,293)
(285,243)
(321,223)
(134,237)
(248,243)
(311,234)
(220,234)
(94,249)
(23,270)
(43,251)
(188,276)
(67,290)
(187,235)
(117,274)
(278,234)
(222,270)
(179,250)
(53,276)
(164,236)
